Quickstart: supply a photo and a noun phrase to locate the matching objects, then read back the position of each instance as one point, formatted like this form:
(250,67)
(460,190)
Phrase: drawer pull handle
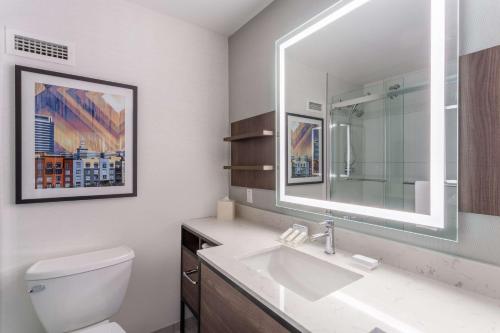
(187,273)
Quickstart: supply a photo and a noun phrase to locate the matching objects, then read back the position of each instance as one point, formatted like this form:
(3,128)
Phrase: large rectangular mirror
(367,111)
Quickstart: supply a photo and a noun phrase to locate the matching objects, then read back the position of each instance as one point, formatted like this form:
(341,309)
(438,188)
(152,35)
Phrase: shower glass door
(367,157)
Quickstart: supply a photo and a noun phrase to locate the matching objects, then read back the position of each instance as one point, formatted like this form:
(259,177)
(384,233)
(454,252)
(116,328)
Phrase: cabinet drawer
(190,280)
(225,310)
(190,240)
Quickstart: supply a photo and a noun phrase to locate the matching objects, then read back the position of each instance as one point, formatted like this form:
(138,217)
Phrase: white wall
(251,82)
(479,25)
(181,72)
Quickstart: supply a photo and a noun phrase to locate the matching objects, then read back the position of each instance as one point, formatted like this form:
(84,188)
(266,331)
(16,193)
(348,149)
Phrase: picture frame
(76,137)
(304,149)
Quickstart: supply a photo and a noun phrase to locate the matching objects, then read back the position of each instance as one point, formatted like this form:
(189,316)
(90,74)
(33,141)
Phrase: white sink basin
(305,275)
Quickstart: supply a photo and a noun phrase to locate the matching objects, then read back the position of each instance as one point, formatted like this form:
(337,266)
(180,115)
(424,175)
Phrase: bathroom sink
(301,273)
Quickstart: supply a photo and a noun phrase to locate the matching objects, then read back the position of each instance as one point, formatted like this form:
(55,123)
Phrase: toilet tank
(72,292)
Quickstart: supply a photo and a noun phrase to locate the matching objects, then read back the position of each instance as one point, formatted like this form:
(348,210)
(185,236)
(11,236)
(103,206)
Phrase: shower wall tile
(373,169)
(416,171)
(373,194)
(374,139)
(409,197)
(416,128)
(347,191)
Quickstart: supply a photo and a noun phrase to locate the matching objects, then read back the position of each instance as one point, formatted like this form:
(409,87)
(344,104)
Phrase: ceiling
(222,16)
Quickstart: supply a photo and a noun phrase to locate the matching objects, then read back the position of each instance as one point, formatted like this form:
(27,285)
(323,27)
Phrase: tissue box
(225,209)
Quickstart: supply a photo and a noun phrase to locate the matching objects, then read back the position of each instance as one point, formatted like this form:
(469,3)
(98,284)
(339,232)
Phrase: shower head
(357,111)
(350,110)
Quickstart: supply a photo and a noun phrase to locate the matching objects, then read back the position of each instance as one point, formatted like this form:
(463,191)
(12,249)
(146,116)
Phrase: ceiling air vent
(25,45)
(313,106)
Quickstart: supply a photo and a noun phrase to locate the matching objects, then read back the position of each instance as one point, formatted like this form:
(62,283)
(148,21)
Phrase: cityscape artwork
(83,137)
(304,149)
(79,138)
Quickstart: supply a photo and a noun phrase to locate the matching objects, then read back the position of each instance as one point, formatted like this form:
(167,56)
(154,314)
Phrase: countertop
(387,298)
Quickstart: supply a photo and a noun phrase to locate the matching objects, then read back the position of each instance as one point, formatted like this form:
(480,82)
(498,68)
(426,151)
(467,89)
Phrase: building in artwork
(315,166)
(104,171)
(301,166)
(49,171)
(90,171)
(117,164)
(44,134)
(68,172)
(83,168)
(77,173)
(82,151)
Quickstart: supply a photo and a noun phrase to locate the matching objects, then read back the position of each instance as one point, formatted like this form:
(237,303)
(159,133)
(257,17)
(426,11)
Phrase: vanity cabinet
(190,279)
(217,304)
(225,309)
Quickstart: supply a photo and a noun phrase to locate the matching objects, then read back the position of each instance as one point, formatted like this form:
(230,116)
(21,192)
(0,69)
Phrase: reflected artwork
(305,151)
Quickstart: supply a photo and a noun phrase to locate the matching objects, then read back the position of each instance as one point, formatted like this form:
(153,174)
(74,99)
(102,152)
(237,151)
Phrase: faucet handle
(328,223)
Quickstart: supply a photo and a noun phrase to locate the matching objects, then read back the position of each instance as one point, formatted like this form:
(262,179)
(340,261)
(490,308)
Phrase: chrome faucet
(328,234)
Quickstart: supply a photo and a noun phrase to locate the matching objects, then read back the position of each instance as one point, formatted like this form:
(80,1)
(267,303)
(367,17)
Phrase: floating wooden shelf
(253,152)
(250,167)
(252,135)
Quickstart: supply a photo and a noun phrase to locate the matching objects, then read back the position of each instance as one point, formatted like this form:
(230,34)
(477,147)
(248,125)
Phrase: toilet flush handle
(37,288)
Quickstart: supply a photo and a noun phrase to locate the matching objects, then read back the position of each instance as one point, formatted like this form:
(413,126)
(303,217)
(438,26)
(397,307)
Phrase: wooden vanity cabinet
(218,304)
(190,277)
(225,309)
(190,281)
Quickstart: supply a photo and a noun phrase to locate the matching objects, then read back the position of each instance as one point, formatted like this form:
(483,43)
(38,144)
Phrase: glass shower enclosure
(379,144)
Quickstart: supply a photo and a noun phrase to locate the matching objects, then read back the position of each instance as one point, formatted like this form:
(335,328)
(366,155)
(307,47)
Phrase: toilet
(80,293)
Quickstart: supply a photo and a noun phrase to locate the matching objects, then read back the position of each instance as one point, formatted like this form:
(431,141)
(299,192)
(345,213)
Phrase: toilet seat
(104,328)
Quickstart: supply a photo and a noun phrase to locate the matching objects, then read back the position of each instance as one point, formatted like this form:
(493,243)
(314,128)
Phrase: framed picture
(304,149)
(76,137)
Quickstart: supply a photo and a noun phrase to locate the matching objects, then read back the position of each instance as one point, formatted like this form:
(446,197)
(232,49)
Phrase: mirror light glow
(437,120)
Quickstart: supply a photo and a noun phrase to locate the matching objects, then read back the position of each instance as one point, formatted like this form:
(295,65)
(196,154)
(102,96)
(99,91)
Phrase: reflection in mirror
(370,114)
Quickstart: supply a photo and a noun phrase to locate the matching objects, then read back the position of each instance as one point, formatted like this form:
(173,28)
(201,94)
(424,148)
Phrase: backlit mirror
(367,110)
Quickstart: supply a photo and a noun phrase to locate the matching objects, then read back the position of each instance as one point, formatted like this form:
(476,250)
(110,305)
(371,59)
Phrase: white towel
(422,197)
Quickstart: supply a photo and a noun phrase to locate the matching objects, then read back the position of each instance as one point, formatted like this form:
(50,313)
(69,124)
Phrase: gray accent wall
(251,92)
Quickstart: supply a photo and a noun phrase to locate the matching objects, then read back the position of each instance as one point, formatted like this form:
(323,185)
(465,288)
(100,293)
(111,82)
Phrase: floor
(191,327)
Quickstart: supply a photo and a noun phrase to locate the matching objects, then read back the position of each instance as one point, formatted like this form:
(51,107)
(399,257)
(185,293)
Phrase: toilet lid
(104,328)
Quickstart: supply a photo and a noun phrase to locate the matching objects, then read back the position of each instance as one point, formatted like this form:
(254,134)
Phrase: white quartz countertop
(387,298)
